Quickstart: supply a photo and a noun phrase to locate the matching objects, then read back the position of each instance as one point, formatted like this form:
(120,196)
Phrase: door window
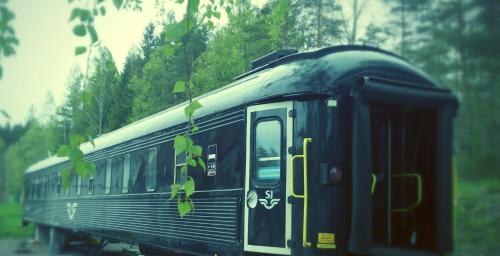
(268,151)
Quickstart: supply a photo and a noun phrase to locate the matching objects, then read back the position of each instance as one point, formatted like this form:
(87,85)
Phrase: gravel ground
(18,247)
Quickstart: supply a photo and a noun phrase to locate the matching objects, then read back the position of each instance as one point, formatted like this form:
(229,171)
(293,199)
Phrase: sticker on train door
(326,241)
(212,160)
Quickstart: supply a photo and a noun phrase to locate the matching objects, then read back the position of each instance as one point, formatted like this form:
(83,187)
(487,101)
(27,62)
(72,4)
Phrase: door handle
(304,196)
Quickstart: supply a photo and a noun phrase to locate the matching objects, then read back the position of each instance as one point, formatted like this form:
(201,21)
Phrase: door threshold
(395,251)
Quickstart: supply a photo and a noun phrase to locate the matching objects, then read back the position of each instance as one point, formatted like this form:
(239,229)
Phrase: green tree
(103,79)
(8,136)
(70,117)
(232,48)
(404,14)
(152,91)
(282,24)
(23,153)
(321,23)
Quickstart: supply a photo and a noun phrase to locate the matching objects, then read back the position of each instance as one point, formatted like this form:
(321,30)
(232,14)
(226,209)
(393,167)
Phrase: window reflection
(268,151)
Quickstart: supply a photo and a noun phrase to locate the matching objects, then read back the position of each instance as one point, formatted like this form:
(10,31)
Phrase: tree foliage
(8,39)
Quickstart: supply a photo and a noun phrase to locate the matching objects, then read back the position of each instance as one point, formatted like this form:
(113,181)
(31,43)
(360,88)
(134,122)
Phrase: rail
(304,196)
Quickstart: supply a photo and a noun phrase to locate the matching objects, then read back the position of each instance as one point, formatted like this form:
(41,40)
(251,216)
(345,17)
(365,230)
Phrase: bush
(10,222)
(477,217)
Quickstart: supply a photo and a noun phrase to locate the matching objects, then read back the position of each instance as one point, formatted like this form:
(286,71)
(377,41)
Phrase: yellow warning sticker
(326,238)
(326,246)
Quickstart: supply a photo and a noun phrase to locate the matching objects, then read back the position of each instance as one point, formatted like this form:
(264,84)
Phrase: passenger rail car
(339,151)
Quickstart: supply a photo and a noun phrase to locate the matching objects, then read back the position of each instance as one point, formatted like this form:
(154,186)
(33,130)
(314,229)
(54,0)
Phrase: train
(343,150)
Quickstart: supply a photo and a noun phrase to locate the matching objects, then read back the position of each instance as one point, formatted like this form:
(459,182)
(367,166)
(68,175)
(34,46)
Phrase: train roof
(307,73)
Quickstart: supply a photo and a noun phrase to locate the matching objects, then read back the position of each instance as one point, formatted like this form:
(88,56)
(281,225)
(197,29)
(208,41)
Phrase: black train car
(343,150)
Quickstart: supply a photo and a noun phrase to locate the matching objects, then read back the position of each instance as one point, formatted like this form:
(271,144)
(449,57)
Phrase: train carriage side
(127,200)
(344,150)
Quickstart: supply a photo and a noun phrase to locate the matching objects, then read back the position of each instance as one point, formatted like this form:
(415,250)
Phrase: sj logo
(71,208)
(269,202)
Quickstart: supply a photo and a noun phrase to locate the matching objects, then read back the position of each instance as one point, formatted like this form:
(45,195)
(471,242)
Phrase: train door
(267,213)
(401,169)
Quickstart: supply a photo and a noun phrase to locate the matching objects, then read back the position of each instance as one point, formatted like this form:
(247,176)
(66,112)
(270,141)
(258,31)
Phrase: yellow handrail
(374,182)
(418,178)
(305,243)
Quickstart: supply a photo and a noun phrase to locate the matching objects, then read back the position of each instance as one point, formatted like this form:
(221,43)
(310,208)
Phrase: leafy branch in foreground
(8,39)
(79,165)
(85,16)
(178,35)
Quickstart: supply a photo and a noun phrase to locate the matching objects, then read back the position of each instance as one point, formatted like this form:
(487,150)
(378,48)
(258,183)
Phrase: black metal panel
(144,217)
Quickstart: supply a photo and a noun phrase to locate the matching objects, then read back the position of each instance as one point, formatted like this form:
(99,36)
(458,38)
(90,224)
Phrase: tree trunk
(319,42)
(3,174)
(355,17)
(403,27)
(462,58)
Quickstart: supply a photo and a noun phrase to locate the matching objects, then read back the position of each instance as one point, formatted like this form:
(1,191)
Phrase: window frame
(178,167)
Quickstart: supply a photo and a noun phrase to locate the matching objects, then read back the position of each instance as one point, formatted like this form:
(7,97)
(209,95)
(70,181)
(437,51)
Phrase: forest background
(457,42)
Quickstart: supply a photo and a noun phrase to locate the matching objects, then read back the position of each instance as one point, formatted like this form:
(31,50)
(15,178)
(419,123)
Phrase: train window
(30,188)
(180,163)
(91,185)
(33,187)
(71,181)
(78,184)
(37,187)
(268,151)
(151,169)
(52,183)
(50,188)
(126,173)
(57,182)
(46,186)
(107,178)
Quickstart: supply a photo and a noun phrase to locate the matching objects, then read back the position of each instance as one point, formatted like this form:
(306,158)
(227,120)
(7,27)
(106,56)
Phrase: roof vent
(270,57)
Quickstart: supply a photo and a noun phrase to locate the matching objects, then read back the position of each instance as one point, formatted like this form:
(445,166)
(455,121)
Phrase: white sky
(45,55)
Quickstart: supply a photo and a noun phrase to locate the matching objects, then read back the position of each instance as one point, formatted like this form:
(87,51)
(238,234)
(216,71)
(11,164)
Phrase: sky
(45,55)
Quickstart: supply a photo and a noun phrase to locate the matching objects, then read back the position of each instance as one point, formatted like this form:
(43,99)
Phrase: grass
(477,217)
(10,222)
